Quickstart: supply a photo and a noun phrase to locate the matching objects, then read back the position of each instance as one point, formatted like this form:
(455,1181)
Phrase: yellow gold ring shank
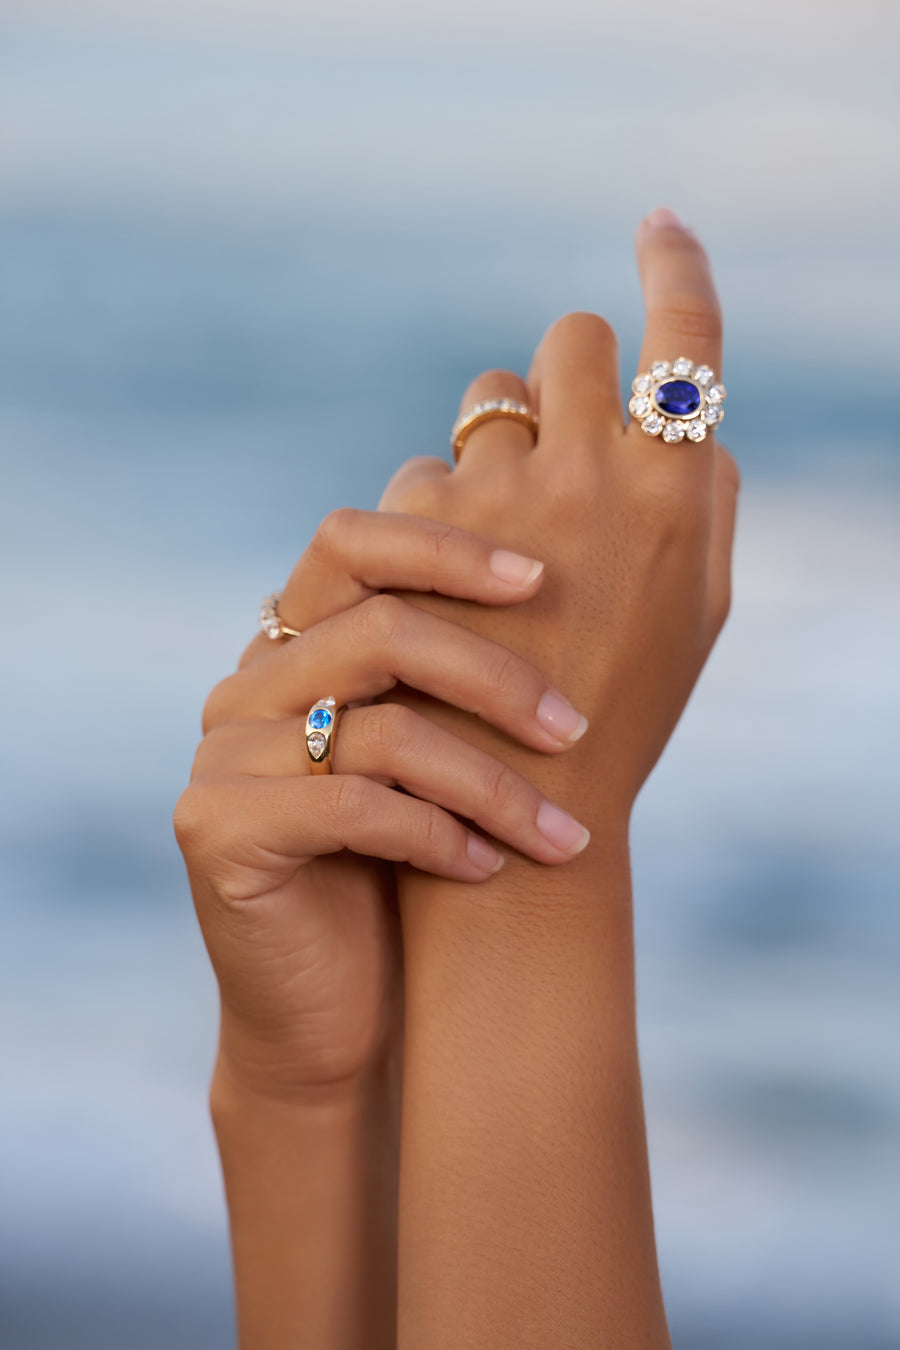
(485,412)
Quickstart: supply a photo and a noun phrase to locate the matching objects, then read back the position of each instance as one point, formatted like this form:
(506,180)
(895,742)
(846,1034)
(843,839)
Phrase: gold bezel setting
(320,723)
(656,420)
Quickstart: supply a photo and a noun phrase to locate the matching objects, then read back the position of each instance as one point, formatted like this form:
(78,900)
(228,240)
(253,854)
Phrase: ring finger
(355,554)
(396,746)
(368,649)
(501,440)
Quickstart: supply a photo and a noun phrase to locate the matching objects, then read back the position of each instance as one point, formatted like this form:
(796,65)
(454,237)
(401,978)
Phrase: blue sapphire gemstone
(677,398)
(320,718)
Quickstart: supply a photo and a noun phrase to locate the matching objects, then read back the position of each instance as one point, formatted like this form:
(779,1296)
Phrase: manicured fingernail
(563,830)
(514,567)
(557,716)
(482,855)
(663,217)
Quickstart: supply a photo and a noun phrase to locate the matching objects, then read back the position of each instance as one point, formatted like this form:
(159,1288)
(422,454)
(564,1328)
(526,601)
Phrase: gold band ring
(483,412)
(270,620)
(321,724)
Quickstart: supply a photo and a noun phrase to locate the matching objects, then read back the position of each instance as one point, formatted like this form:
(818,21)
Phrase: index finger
(683,313)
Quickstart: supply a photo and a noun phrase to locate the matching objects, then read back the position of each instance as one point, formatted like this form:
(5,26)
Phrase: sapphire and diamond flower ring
(677,400)
(321,723)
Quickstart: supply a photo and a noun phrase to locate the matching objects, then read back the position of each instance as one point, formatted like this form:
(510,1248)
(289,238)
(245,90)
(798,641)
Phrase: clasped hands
(516,638)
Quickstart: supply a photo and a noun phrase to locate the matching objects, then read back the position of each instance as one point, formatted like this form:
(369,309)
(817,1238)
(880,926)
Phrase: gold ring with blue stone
(677,400)
(321,723)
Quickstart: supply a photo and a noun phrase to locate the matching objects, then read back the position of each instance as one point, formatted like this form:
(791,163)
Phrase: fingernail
(482,855)
(563,830)
(557,716)
(661,218)
(514,567)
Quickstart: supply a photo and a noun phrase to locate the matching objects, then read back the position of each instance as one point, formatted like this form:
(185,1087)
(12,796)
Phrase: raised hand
(636,533)
(291,872)
(525,1216)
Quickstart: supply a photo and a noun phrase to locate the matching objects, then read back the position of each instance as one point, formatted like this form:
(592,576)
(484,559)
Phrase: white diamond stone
(682,366)
(641,384)
(273,629)
(673,432)
(327,702)
(712,415)
(653,424)
(660,369)
(316,742)
(696,431)
(639,406)
(703,375)
(716,394)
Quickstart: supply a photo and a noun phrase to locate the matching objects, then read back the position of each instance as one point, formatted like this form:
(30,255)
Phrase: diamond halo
(677,400)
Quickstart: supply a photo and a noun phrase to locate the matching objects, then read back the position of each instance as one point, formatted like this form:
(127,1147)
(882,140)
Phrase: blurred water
(188,381)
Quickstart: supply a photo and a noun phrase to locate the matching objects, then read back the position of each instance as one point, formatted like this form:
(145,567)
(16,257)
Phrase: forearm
(525,1213)
(311,1190)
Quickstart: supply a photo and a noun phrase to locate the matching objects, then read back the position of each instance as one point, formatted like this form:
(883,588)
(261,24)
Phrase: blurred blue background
(249,256)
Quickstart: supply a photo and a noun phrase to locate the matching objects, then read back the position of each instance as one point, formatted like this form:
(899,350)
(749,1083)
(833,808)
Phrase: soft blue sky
(249,249)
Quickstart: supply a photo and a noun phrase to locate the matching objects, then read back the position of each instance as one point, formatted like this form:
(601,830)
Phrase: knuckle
(378,621)
(386,731)
(192,816)
(495,384)
(583,329)
(498,376)
(506,676)
(422,498)
(205,754)
(691,316)
(333,530)
(663,482)
(669,503)
(218,704)
(728,467)
(720,607)
(215,750)
(352,797)
(442,540)
(501,788)
(433,831)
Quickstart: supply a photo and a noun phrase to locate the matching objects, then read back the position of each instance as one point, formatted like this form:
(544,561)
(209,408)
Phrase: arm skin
(525,1209)
(526,1216)
(294,886)
(312,1199)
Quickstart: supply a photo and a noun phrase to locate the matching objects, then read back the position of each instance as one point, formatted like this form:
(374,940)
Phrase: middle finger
(396,746)
(367,650)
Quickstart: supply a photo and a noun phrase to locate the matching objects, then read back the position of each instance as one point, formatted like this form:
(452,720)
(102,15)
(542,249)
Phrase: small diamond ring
(676,399)
(321,723)
(270,620)
(483,412)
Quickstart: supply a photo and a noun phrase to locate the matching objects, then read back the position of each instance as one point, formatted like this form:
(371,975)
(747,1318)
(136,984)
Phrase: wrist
(254,1067)
(311,1180)
(238,1087)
